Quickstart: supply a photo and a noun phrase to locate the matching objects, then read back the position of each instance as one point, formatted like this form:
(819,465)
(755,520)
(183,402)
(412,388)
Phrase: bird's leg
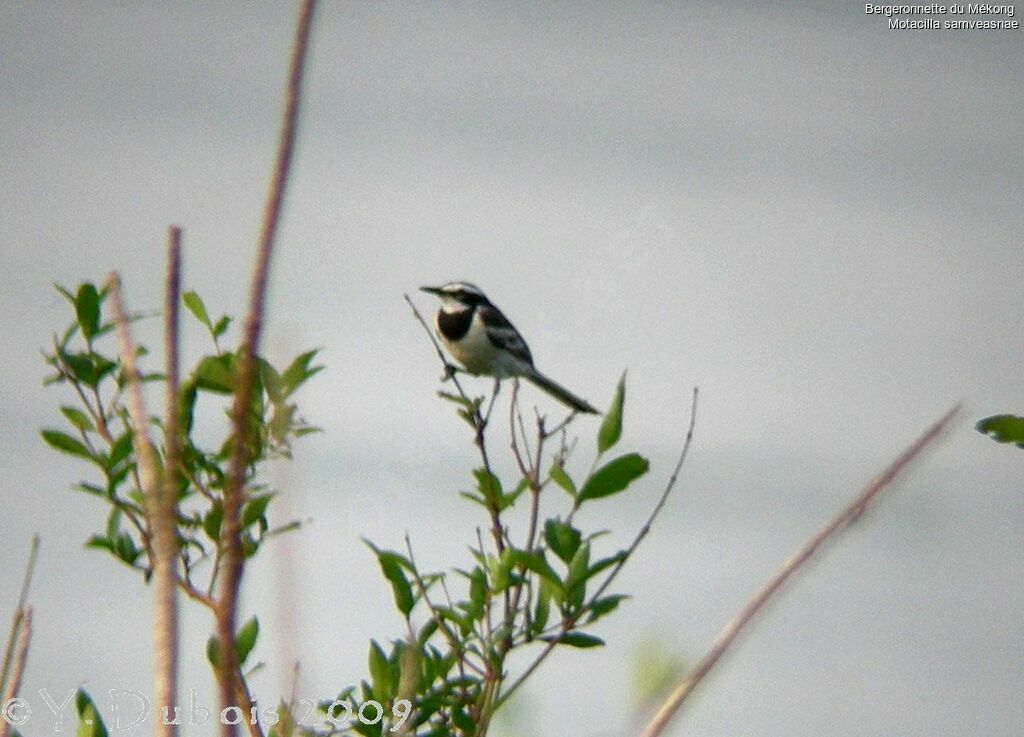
(450,369)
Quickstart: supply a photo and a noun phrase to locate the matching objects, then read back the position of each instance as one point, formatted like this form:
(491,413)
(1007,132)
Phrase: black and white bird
(483,340)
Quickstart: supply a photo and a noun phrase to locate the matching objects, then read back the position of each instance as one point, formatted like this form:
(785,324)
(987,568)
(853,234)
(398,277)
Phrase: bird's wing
(504,334)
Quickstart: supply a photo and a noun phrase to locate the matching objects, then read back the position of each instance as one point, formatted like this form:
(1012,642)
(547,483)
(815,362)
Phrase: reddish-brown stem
(232,686)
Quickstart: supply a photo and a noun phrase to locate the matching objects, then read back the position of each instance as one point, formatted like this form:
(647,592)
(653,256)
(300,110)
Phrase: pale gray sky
(814,218)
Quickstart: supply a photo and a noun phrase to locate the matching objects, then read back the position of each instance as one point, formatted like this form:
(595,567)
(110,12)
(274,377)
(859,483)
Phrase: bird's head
(457,295)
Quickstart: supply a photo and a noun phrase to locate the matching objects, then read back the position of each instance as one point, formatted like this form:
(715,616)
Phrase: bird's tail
(559,392)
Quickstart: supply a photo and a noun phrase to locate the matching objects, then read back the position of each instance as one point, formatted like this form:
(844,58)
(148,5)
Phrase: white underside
(478,355)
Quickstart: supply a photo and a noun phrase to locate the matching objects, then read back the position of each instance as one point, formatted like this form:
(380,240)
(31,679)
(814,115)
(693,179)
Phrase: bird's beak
(431,290)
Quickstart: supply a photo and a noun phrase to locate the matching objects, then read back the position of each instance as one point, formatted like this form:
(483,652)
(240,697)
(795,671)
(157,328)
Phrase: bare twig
(193,593)
(19,613)
(658,507)
(164,510)
(513,411)
(569,622)
(148,464)
(18,669)
(231,681)
(450,371)
(479,425)
(847,515)
(160,493)
(461,659)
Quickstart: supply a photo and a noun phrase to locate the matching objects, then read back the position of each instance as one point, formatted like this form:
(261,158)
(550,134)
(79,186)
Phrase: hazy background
(815,219)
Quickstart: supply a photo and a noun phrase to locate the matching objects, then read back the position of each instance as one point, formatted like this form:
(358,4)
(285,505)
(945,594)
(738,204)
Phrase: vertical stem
(19,613)
(163,512)
(157,489)
(231,682)
(18,667)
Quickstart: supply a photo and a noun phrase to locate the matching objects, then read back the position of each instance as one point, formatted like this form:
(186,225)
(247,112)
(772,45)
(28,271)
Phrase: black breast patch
(454,325)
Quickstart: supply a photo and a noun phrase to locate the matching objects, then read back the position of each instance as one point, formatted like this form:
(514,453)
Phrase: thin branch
(195,594)
(148,464)
(231,680)
(159,493)
(20,656)
(461,659)
(450,371)
(658,507)
(19,613)
(844,518)
(479,424)
(570,622)
(513,408)
(164,510)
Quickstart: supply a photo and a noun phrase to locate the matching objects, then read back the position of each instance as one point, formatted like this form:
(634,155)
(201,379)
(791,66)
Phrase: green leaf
(77,417)
(195,305)
(120,450)
(464,623)
(463,721)
(380,672)
(91,489)
(603,606)
(474,498)
(575,639)
(576,580)
(1003,429)
(213,651)
(125,548)
(64,291)
(104,366)
(114,523)
(87,310)
(81,366)
(488,485)
(468,404)
(477,592)
(222,326)
(245,639)
(542,610)
(560,477)
(606,562)
(613,477)
(282,420)
(66,444)
(255,510)
(187,395)
(500,568)
(97,541)
(299,371)
(212,521)
(391,565)
(426,632)
(216,374)
(611,425)
(509,499)
(271,380)
(562,538)
(90,723)
(536,562)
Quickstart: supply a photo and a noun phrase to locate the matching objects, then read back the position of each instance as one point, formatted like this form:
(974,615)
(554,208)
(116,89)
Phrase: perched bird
(483,340)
